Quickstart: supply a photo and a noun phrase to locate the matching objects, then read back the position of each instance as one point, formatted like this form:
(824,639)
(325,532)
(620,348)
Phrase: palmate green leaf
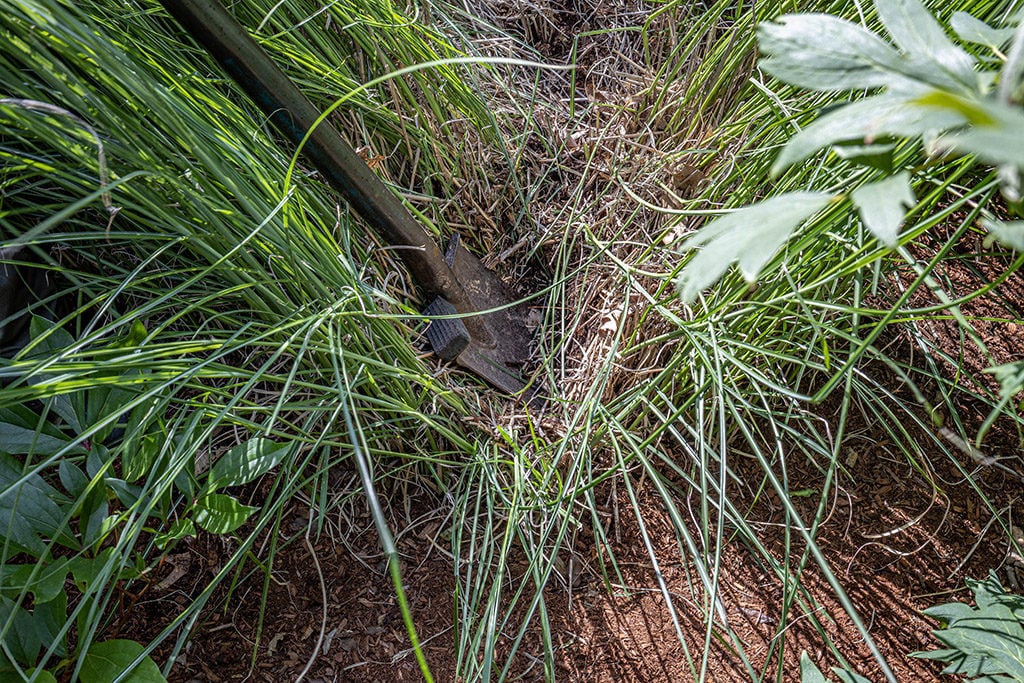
(879,116)
(970,29)
(883,206)
(106,661)
(247,461)
(822,52)
(221,514)
(750,236)
(933,56)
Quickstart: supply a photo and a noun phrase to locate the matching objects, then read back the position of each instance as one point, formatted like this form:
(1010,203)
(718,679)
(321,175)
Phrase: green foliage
(57,475)
(810,673)
(201,316)
(110,660)
(923,85)
(985,643)
(77,442)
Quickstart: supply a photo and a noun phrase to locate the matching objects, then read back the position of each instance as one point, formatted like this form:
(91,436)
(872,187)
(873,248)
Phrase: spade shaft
(214,29)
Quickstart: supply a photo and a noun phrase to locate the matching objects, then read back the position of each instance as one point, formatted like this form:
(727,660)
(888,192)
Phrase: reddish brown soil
(896,544)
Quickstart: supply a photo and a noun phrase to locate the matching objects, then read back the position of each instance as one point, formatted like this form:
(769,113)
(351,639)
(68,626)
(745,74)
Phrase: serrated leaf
(809,671)
(107,660)
(864,121)
(247,461)
(221,514)
(750,236)
(925,42)
(823,52)
(883,206)
(973,30)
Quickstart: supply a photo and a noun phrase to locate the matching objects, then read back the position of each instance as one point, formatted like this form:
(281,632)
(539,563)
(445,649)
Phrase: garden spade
(473,319)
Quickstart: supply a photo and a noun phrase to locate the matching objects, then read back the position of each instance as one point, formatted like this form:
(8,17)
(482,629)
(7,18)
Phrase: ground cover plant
(225,452)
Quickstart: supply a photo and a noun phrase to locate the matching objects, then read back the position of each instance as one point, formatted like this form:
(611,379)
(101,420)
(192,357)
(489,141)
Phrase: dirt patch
(896,541)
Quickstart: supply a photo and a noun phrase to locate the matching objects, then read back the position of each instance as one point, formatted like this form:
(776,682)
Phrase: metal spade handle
(210,24)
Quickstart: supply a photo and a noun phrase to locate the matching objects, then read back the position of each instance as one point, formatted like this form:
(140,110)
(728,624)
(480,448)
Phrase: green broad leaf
(993,144)
(72,478)
(30,510)
(22,637)
(1008,233)
(883,206)
(985,642)
(141,446)
(246,462)
(106,661)
(939,60)
(973,111)
(822,52)
(41,676)
(750,236)
(877,155)
(809,671)
(221,514)
(63,406)
(864,121)
(135,336)
(970,29)
(996,129)
(128,494)
(18,440)
(87,571)
(849,676)
(94,514)
(49,340)
(49,618)
(179,530)
(47,584)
